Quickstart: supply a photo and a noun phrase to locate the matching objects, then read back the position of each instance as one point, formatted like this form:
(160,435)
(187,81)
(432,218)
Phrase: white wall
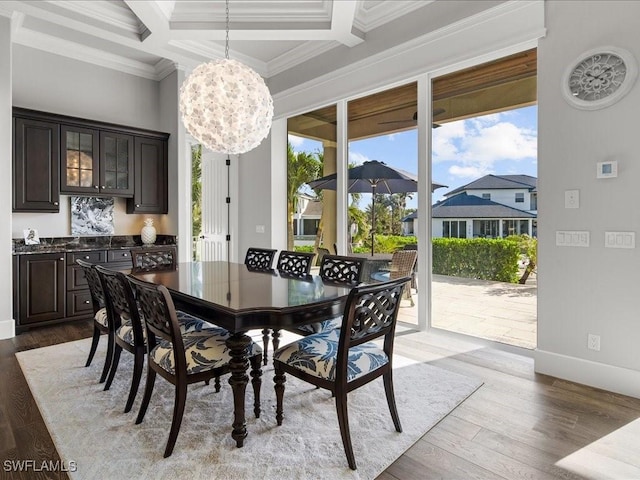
(254,199)
(587,290)
(7,325)
(56,84)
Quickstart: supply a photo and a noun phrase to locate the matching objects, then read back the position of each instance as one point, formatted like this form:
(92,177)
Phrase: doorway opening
(484,225)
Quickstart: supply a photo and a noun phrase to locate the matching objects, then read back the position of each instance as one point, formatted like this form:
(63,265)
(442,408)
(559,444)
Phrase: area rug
(88,427)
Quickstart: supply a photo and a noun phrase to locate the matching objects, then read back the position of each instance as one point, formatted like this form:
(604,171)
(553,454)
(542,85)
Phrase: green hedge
(482,258)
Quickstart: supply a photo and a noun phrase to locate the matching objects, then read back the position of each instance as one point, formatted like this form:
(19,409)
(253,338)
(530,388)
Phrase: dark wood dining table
(238,299)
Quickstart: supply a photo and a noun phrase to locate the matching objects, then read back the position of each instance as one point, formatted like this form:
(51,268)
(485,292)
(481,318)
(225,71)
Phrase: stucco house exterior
(492,206)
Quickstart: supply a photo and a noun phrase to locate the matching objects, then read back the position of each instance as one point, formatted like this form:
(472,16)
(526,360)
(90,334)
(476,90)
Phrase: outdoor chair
(345,359)
(183,358)
(100,317)
(259,258)
(321,253)
(160,257)
(402,264)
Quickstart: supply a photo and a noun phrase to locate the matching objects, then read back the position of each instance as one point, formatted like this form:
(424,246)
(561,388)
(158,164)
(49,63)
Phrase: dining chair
(158,257)
(100,317)
(345,359)
(126,326)
(290,263)
(336,269)
(183,358)
(259,258)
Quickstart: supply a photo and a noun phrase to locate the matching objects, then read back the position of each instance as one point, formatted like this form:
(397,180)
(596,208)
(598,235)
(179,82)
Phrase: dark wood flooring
(518,425)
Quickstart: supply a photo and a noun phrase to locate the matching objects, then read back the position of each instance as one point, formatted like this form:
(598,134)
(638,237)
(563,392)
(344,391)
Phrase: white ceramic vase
(148,232)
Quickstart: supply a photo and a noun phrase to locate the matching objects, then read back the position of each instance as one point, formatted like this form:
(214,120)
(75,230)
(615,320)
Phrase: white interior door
(216,225)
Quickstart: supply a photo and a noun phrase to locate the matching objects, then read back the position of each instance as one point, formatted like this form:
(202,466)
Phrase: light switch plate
(620,239)
(572,238)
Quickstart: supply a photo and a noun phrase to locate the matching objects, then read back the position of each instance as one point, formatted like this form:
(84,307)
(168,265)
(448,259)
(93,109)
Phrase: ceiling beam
(343,16)
(152,17)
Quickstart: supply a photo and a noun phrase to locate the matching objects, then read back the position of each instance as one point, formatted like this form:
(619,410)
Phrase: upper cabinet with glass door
(96,162)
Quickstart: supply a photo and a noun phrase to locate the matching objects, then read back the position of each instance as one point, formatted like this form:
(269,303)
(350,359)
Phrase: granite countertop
(79,244)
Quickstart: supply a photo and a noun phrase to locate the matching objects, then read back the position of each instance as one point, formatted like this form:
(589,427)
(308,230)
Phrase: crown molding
(106,12)
(298,55)
(65,48)
(370,18)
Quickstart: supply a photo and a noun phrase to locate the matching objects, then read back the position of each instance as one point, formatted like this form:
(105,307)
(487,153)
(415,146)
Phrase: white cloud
(295,141)
(357,158)
(475,145)
(467,171)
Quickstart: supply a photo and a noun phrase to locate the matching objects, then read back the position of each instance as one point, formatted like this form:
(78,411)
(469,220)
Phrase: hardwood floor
(518,425)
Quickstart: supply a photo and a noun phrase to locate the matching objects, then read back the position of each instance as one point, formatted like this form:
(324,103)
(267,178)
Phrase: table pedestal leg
(238,344)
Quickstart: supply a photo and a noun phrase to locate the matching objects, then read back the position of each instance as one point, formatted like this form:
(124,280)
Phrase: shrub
(481,258)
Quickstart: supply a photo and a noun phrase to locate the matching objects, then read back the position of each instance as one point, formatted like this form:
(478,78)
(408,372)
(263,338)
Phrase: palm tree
(302,167)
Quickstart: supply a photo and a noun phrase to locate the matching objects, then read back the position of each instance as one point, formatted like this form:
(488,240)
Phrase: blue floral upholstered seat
(317,356)
(182,357)
(344,359)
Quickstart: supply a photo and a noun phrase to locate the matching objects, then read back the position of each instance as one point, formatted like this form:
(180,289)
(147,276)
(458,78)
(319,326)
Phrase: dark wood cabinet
(54,154)
(36,165)
(51,287)
(80,172)
(150,192)
(41,288)
(116,164)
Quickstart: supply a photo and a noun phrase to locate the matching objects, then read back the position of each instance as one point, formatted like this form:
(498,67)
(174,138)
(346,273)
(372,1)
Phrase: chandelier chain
(226,44)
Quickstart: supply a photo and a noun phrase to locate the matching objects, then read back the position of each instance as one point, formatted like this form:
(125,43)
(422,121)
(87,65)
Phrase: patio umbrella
(373,177)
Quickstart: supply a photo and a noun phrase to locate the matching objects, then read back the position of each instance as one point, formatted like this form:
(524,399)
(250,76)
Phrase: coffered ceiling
(149,37)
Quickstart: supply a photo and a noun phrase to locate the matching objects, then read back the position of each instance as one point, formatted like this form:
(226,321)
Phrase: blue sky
(499,143)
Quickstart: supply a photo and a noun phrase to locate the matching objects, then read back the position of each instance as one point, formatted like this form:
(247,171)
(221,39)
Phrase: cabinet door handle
(55,203)
(87,257)
(86,302)
(125,255)
(96,186)
(61,259)
(137,205)
(103,187)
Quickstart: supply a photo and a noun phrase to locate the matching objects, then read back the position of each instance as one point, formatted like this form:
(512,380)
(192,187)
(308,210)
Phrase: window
(534,201)
(486,228)
(519,197)
(454,229)
(486,196)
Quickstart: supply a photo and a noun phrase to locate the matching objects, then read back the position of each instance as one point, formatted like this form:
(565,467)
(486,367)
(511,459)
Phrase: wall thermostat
(607,169)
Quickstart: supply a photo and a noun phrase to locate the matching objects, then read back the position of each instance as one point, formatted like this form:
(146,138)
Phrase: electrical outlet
(593,342)
(572,199)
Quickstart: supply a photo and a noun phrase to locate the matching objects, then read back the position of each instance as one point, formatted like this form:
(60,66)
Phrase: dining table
(238,299)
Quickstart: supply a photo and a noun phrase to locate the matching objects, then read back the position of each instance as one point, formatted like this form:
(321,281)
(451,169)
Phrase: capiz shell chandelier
(226,106)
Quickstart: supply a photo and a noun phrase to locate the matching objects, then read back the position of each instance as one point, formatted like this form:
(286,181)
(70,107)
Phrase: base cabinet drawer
(79,303)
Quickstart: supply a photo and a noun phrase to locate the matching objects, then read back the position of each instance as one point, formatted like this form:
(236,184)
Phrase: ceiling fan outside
(436,112)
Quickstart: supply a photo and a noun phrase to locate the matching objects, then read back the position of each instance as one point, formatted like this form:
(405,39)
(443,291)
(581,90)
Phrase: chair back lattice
(95,286)
(159,314)
(120,301)
(402,263)
(371,312)
(154,258)
(295,263)
(259,258)
(339,269)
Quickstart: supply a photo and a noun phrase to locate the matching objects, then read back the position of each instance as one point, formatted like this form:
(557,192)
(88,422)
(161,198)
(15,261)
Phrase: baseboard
(599,375)
(7,329)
